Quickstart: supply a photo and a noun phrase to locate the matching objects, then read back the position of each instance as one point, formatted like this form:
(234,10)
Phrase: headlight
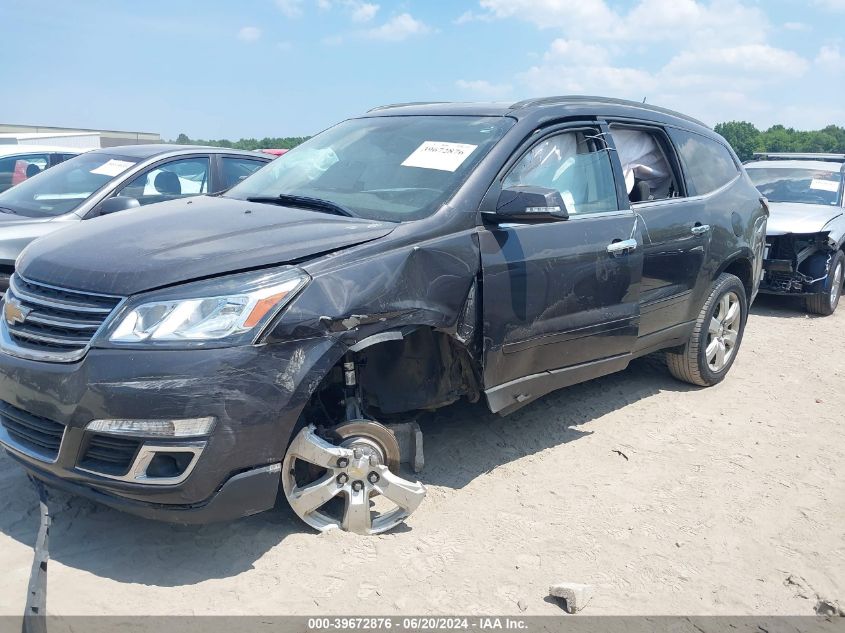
(182,314)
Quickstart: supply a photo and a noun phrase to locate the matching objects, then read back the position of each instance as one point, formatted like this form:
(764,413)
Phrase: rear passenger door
(677,228)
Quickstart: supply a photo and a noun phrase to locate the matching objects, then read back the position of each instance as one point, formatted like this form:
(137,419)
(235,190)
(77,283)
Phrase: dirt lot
(728,500)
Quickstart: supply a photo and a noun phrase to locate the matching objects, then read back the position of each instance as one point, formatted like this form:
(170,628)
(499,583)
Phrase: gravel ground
(668,499)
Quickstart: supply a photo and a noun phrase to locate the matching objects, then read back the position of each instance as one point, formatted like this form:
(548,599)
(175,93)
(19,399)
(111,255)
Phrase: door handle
(622,247)
(700,229)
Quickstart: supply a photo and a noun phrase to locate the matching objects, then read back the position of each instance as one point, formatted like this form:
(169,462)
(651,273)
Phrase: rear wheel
(825,304)
(333,481)
(711,350)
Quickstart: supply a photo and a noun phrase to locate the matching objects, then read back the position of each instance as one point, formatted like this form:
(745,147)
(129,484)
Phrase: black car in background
(107,180)
(186,361)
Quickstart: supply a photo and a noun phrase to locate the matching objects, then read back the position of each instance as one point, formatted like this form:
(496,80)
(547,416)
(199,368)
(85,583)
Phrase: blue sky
(257,68)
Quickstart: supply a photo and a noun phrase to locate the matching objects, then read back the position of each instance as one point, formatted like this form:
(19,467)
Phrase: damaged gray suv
(190,360)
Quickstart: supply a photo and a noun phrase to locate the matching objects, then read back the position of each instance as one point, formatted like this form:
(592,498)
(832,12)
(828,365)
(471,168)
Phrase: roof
(158,149)
(11,150)
(818,165)
(569,104)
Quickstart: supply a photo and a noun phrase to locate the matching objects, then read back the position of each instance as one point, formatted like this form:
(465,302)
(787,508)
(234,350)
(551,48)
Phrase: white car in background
(805,237)
(19,162)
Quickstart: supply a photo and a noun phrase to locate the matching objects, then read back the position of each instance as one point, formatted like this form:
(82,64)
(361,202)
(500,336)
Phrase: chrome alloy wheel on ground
(723,331)
(353,484)
(836,286)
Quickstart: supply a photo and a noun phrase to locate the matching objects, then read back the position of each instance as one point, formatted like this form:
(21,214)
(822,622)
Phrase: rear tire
(709,353)
(825,304)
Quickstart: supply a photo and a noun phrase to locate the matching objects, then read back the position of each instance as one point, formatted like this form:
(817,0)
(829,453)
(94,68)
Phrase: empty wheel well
(424,370)
(742,268)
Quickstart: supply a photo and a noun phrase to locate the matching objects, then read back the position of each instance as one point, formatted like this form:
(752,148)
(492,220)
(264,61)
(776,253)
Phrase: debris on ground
(829,607)
(575,596)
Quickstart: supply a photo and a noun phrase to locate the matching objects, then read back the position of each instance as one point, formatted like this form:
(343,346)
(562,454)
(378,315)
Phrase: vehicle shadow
(110,544)
(463,430)
(781,306)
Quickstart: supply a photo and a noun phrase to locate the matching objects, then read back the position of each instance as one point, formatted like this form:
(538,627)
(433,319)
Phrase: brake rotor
(374,440)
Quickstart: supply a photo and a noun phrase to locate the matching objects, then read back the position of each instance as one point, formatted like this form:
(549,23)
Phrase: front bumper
(255,393)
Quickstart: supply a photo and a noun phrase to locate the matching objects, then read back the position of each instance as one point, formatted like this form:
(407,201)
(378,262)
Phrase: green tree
(743,136)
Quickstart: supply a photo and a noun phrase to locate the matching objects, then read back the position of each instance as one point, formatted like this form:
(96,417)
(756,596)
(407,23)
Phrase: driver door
(561,299)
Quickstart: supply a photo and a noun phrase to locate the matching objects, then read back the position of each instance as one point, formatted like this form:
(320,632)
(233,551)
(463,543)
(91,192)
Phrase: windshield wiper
(8,210)
(306,202)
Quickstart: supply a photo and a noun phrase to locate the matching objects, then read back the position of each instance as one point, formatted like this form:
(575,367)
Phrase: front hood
(181,240)
(795,217)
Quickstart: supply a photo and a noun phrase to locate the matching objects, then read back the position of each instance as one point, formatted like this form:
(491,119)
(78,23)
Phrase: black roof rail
(400,105)
(564,99)
(822,156)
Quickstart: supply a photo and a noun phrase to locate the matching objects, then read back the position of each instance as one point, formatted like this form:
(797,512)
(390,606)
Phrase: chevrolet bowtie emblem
(14,312)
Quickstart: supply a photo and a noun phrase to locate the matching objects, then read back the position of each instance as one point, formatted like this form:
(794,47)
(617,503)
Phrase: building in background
(72,137)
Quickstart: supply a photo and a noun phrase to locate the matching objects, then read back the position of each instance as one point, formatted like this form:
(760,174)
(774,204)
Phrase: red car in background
(273,152)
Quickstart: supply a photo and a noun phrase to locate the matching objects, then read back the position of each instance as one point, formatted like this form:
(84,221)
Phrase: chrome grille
(56,324)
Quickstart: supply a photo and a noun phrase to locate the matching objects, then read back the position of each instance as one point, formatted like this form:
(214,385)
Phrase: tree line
(743,136)
(269,142)
(746,139)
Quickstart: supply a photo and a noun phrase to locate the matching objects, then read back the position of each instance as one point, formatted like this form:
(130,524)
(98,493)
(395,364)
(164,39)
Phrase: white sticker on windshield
(439,155)
(824,185)
(112,168)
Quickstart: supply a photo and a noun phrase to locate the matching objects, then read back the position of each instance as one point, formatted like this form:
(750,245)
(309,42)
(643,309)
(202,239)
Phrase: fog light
(189,427)
(169,464)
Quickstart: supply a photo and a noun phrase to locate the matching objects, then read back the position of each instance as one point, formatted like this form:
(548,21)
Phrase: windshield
(381,168)
(811,186)
(64,187)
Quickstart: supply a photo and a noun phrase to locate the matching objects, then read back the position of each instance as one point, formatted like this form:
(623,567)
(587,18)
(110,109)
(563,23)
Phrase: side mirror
(118,203)
(525,203)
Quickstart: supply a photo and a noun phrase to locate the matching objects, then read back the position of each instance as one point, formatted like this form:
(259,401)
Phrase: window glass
(64,187)
(707,164)
(236,169)
(176,179)
(15,169)
(648,175)
(577,165)
(811,186)
(393,168)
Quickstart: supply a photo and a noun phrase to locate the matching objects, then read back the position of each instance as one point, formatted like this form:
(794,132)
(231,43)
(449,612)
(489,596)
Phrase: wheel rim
(331,486)
(723,332)
(836,286)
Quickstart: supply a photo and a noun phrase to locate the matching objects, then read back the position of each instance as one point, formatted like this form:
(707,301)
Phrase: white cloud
(362,11)
(249,34)
(472,16)
(830,5)
(291,8)
(830,56)
(575,52)
(713,23)
(713,59)
(398,28)
(484,89)
(753,59)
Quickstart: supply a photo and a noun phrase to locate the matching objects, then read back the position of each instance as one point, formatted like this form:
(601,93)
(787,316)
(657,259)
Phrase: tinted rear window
(707,164)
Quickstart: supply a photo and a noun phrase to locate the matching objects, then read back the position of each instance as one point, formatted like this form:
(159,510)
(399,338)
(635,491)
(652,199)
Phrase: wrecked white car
(806,230)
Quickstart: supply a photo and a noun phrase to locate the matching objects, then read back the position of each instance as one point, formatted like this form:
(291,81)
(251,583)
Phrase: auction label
(439,155)
(112,168)
(824,185)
